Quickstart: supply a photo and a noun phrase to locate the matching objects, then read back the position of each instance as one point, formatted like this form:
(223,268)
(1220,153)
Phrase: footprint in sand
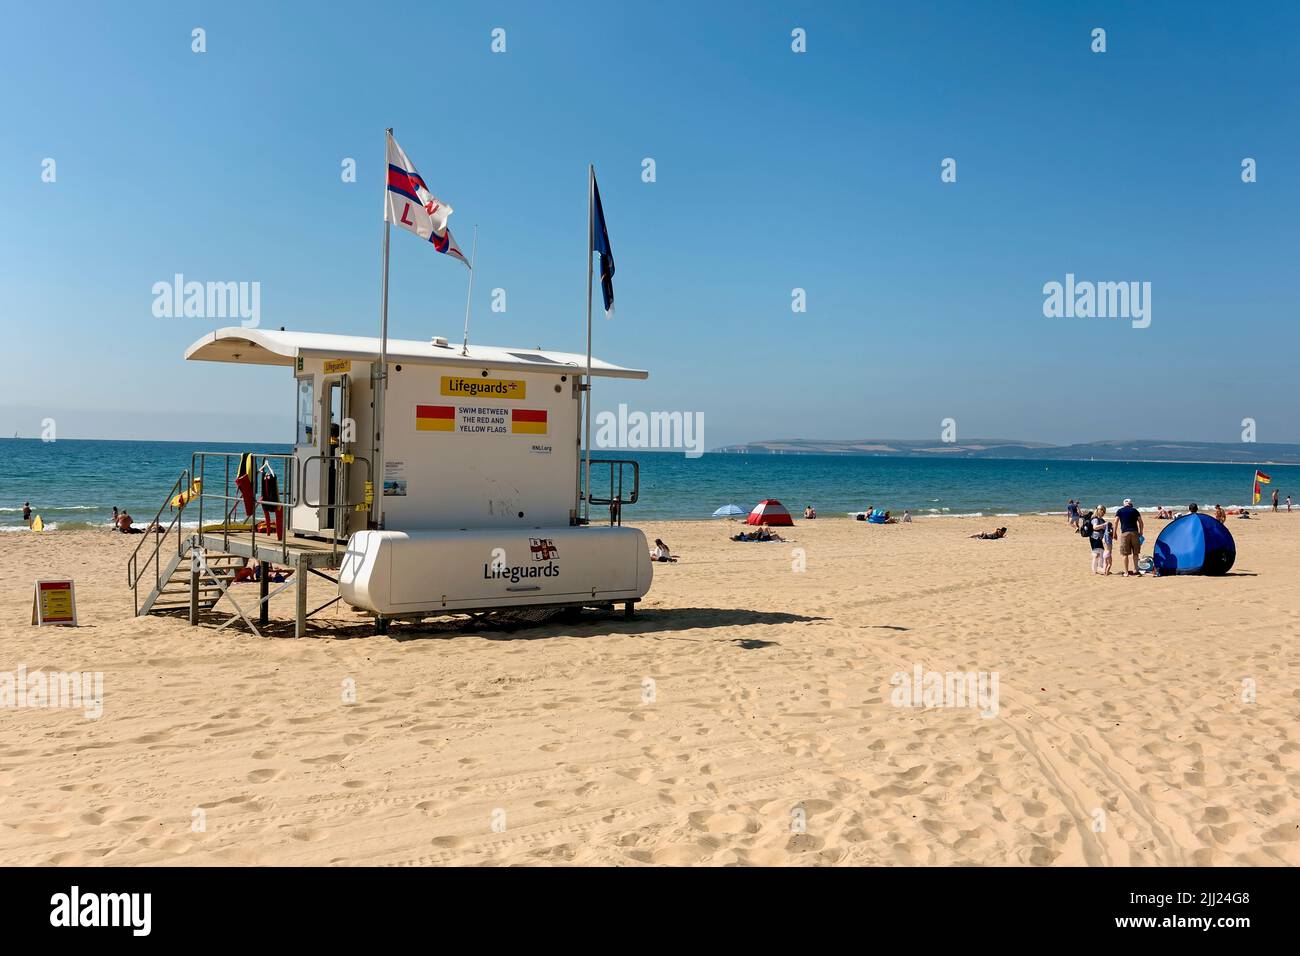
(325,759)
(265,775)
(710,822)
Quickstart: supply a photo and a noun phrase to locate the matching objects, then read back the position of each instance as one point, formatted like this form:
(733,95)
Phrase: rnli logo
(543,549)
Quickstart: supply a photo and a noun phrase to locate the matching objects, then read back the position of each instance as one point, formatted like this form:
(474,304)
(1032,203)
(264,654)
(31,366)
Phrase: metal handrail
(285,500)
(340,484)
(616,487)
(133,570)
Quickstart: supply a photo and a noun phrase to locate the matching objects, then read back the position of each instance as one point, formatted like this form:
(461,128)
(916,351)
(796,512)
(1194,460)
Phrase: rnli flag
(600,246)
(409,204)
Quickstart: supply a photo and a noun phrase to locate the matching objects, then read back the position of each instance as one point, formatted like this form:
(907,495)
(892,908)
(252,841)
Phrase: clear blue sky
(775,170)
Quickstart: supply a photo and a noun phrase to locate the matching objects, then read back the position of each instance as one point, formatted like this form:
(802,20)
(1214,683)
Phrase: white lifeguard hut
(466,496)
(434,479)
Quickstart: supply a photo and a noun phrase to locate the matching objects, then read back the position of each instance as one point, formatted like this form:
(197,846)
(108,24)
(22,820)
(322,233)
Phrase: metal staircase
(165,577)
(173,591)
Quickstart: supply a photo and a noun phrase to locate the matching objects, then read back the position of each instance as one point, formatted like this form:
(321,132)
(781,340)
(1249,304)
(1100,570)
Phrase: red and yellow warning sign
(54,602)
(435,418)
(480,420)
(527,421)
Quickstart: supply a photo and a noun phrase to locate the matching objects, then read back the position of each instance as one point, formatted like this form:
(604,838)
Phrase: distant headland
(1254,453)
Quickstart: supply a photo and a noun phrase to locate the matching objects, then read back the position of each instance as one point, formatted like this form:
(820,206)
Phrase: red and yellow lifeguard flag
(525,421)
(1260,479)
(435,418)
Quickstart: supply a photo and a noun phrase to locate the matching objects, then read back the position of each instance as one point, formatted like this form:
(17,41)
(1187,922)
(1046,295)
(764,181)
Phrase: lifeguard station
(432,479)
(476,505)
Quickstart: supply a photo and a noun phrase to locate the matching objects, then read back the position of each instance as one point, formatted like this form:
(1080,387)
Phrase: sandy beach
(745,715)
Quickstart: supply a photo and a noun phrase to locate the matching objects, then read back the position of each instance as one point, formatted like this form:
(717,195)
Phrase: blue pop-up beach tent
(1195,544)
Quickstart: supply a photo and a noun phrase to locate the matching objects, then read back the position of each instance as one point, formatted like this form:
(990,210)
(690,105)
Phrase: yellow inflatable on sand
(38,524)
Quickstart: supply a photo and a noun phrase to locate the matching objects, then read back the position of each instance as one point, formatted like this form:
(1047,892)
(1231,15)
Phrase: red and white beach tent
(771,512)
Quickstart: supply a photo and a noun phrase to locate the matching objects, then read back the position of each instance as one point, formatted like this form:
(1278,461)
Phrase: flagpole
(591,211)
(380,381)
(469,296)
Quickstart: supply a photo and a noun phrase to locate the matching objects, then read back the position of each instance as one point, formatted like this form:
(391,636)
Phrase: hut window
(306,411)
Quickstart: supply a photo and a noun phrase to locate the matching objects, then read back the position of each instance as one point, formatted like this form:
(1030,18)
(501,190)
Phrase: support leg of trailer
(264,609)
(194,596)
(629,608)
(381,625)
(300,613)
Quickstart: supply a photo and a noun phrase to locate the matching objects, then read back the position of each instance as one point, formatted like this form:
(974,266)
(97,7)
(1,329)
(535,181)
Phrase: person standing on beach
(1098,524)
(1275,499)
(1072,513)
(1130,535)
(1288,504)
(27,513)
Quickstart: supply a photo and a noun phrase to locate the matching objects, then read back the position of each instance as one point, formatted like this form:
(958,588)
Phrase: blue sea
(76,484)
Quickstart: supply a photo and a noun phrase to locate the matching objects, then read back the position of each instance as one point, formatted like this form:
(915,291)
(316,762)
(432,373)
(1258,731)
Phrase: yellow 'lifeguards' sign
(454,386)
(54,602)
(337,366)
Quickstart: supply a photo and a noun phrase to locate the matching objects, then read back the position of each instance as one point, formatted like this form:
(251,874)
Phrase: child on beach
(1108,547)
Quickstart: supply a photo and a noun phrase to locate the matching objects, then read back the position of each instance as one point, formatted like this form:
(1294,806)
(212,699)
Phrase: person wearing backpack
(1094,528)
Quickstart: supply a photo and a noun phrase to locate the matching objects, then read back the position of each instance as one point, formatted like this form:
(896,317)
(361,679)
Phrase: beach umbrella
(728,511)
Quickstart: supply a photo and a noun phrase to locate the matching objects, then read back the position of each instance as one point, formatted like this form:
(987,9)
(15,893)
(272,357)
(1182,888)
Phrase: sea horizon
(75,483)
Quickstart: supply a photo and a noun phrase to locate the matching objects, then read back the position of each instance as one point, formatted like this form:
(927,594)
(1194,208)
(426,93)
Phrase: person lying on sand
(991,535)
(764,533)
(661,552)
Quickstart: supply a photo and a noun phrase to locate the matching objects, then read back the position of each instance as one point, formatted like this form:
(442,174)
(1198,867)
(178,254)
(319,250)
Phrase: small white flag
(409,204)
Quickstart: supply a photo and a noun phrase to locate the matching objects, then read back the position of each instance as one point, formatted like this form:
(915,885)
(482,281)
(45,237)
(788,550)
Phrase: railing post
(194,587)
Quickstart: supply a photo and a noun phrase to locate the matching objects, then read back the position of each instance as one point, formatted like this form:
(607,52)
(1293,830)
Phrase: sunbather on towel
(991,535)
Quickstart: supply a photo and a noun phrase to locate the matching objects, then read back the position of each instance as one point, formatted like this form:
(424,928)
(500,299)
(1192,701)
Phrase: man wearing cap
(1130,535)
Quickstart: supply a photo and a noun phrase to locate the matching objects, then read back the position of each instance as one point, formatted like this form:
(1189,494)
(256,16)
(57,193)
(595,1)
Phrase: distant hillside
(1251,453)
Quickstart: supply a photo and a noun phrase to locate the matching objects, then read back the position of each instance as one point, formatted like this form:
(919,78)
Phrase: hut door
(306,519)
(336,440)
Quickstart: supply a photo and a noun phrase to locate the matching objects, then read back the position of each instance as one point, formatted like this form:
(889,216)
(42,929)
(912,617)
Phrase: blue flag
(600,245)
